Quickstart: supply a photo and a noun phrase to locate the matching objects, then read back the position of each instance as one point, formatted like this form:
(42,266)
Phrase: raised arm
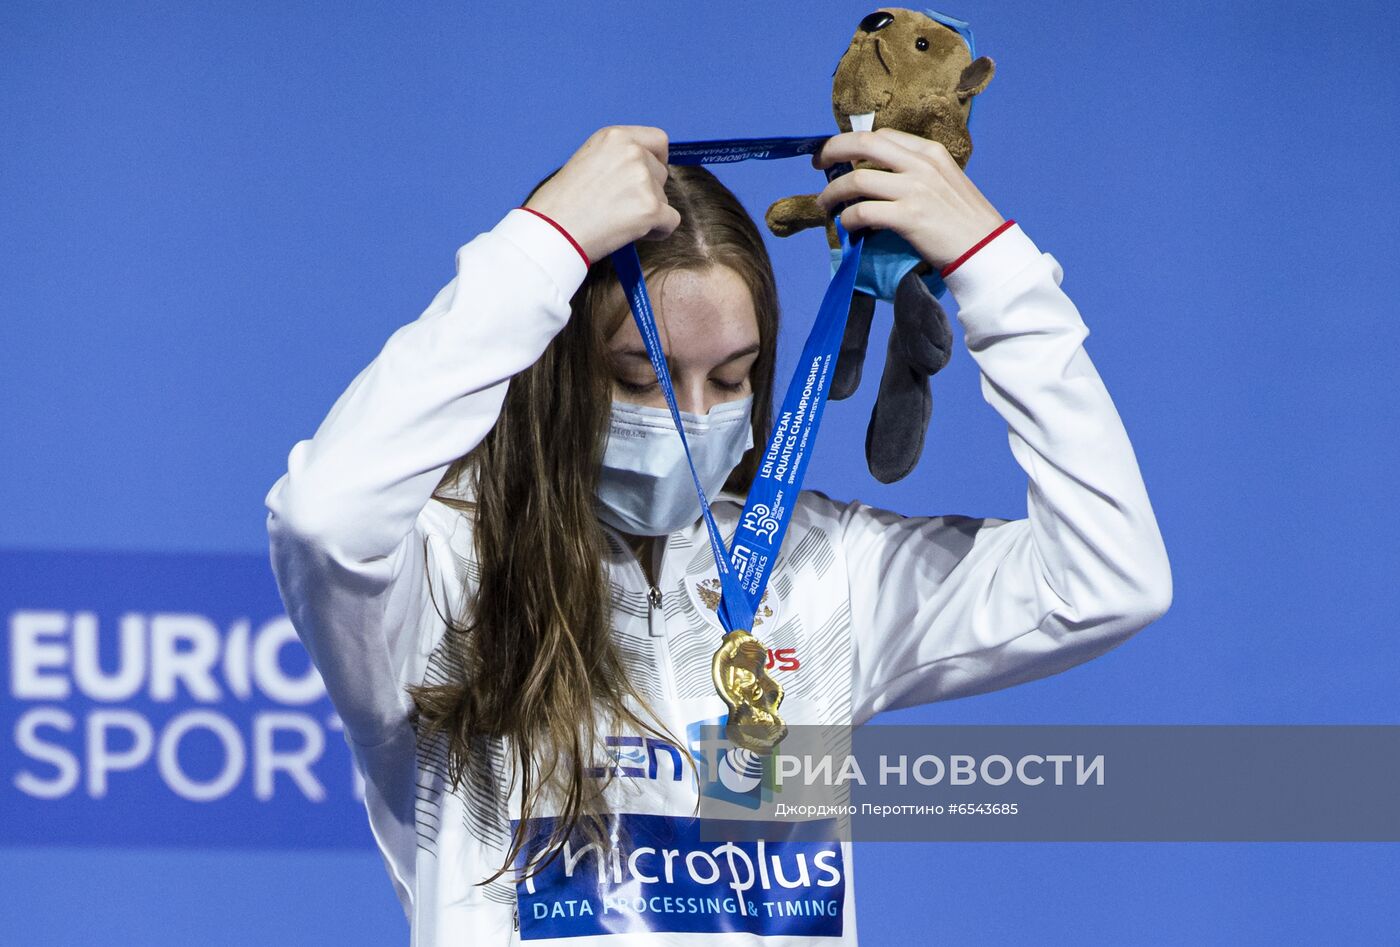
(341,520)
(945,607)
(948,606)
(344,522)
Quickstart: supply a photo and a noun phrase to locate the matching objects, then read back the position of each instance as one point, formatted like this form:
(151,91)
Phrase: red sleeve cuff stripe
(567,236)
(977,246)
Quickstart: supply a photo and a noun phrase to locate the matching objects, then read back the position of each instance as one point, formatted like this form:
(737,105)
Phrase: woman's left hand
(923,196)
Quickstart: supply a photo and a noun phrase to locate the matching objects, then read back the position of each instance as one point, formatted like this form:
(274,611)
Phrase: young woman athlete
(492,549)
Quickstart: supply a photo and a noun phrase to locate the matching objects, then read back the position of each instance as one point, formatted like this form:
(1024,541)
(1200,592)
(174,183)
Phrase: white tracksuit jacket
(867,610)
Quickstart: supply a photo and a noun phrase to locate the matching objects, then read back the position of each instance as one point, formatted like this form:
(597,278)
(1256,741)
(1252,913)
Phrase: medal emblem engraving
(751,694)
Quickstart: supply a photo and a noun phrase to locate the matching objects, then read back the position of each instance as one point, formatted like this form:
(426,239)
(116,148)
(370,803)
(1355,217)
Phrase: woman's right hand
(611,191)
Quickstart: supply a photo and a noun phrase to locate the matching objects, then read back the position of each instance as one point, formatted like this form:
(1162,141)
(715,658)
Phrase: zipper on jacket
(656,625)
(656,620)
(668,707)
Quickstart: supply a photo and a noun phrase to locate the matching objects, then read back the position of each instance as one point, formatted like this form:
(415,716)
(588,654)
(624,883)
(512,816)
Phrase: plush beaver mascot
(914,72)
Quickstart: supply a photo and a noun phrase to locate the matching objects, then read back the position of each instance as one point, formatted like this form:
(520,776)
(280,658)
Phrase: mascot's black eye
(921,44)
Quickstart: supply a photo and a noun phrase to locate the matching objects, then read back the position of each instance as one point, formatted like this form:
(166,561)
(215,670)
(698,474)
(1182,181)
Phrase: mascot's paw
(921,342)
(895,438)
(793,214)
(849,363)
(921,330)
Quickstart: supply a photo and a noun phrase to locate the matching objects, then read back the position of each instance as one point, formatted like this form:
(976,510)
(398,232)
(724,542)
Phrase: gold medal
(750,692)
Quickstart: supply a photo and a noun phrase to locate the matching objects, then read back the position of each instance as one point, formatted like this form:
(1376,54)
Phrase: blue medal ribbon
(744,570)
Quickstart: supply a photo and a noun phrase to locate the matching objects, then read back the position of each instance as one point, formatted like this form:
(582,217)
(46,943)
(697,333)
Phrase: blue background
(212,216)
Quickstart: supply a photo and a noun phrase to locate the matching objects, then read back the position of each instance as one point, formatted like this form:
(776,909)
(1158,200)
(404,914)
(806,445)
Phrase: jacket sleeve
(951,606)
(347,546)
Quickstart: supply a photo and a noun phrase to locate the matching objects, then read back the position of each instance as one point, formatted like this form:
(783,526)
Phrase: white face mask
(645,486)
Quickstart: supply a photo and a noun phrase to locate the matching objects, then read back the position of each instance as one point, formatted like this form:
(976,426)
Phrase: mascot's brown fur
(916,75)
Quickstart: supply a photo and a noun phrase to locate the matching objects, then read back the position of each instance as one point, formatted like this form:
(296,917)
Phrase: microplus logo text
(662,876)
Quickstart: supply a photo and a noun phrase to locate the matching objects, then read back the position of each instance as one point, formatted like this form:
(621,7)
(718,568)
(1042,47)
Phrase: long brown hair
(534,661)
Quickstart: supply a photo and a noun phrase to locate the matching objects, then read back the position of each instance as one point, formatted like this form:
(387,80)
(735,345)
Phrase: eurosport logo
(661,877)
(165,700)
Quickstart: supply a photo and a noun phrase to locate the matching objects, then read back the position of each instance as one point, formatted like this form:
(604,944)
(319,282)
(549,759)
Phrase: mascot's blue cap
(961,27)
